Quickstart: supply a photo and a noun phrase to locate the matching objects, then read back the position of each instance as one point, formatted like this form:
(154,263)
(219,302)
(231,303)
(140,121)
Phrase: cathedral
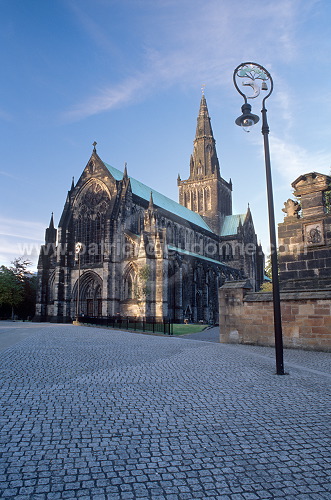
(123,249)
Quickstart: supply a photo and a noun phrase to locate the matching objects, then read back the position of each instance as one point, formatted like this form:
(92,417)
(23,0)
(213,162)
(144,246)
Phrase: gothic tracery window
(51,282)
(129,283)
(89,222)
(207,199)
(200,201)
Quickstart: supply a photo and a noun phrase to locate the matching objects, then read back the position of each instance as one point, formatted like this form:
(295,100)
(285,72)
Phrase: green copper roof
(196,255)
(231,223)
(144,192)
(233,271)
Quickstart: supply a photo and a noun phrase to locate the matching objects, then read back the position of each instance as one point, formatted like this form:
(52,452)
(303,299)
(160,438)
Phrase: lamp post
(255,78)
(78,248)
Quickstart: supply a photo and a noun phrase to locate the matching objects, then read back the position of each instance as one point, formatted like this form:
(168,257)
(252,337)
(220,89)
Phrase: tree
(267,285)
(268,268)
(19,268)
(17,289)
(26,309)
(11,289)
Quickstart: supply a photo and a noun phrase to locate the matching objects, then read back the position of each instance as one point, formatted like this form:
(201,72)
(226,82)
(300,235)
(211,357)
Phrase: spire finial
(51,223)
(203,88)
(151,201)
(94,148)
(125,174)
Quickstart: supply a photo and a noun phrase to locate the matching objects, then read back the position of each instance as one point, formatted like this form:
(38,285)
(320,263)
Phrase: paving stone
(98,414)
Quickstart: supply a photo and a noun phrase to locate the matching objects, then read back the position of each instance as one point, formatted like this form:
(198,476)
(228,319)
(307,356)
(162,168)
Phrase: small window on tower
(91,166)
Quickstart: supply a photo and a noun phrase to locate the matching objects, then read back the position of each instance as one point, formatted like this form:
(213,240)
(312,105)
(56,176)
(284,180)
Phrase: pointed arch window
(199,168)
(129,287)
(169,233)
(194,201)
(89,221)
(227,252)
(200,201)
(50,288)
(207,199)
(129,283)
(175,236)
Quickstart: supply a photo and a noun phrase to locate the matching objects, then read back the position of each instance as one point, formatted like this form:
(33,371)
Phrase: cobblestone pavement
(209,335)
(100,414)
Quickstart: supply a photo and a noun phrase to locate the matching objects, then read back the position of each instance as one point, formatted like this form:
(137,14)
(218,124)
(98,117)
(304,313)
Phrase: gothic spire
(51,223)
(204,161)
(50,233)
(205,192)
(203,125)
(150,220)
(125,175)
(151,202)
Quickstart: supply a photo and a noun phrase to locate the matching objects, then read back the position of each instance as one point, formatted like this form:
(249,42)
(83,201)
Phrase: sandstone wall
(248,317)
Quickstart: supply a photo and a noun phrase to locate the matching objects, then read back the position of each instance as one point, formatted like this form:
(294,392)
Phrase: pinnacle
(203,111)
(151,202)
(51,224)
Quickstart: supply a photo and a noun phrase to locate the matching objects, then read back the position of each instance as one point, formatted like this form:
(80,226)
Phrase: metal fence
(127,323)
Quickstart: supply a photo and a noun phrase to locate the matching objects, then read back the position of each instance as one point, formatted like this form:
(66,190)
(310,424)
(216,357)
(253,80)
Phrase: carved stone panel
(314,233)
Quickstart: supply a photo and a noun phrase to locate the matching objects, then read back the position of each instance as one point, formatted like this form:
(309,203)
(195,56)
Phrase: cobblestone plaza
(103,414)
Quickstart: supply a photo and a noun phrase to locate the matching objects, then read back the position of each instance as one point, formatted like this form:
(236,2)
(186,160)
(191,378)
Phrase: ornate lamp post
(256,78)
(78,248)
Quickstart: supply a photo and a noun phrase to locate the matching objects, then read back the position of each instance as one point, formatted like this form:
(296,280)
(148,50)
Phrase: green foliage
(19,268)
(11,288)
(142,290)
(268,268)
(17,289)
(266,287)
(327,201)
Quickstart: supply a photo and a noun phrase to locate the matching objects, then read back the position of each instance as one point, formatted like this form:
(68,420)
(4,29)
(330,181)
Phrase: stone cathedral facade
(141,253)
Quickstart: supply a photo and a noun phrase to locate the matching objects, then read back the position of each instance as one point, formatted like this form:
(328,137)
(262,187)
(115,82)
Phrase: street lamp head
(253,79)
(250,79)
(247,119)
(78,247)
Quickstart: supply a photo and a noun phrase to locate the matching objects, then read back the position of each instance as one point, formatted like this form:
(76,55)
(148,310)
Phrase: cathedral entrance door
(99,307)
(89,307)
(199,306)
(188,314)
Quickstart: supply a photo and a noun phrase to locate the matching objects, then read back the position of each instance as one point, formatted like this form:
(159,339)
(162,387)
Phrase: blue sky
(128,74)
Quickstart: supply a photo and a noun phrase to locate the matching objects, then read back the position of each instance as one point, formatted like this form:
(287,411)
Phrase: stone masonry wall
(304,237)
(248,317)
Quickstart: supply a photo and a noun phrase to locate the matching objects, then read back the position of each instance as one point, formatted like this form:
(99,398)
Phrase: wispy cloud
(93,28)
(109,98)
(20,238)
(283,102)
(291,160)
(11,248)
(187,58)
(11,176)
(23,229)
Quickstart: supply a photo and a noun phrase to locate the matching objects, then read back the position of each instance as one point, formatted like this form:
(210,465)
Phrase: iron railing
(129,323)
